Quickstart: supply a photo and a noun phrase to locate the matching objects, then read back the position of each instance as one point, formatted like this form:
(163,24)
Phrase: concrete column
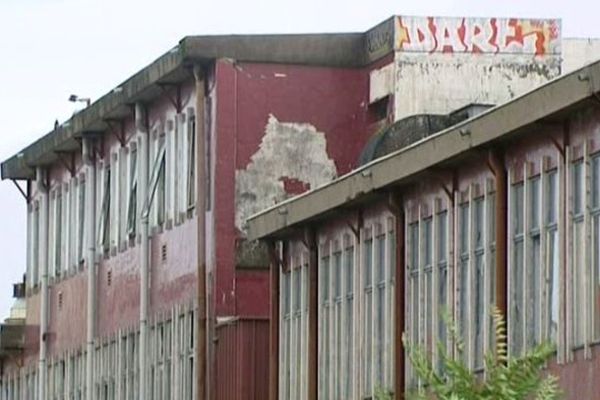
(202,385)
(43,266)
(274,324)
(90,219)
(143,155)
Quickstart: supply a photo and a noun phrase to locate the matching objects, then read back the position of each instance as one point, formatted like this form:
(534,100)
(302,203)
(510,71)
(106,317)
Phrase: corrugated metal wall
(242,365)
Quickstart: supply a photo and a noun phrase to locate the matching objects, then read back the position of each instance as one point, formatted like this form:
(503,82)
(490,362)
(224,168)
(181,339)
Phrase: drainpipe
(496,162)
(201,353)
(43,259)
(90,221)
(141,128)
(274,324)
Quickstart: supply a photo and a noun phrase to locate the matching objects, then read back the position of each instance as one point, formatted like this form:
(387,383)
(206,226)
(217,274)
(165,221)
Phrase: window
(533,269)
(191,162)
(337,316)
(426,312)
(156,195)
(58,233)
(595,217)
(463,272)
(413,277)
(81,220)
(35,263)
(442,286)
(161,189)
(349,319)
(517,288)
(324,326)
(577,221)
(380,318)
(552,257)
(367,272)
(104,235)
(478,298)
(133,182)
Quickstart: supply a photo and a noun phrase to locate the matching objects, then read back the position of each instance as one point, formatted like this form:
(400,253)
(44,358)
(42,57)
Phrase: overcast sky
(52,48)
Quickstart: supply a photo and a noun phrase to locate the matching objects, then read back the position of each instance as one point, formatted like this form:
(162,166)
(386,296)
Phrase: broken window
(157,184)
(35,244)
(161,189)
(104,226)
(81,220)
(57,233)
(191,163)
(133,183)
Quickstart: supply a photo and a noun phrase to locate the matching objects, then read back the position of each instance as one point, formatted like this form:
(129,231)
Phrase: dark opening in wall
(379,110)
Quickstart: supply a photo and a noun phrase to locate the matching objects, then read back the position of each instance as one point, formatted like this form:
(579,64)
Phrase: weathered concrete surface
(579,52)
(288,151)
(440,83)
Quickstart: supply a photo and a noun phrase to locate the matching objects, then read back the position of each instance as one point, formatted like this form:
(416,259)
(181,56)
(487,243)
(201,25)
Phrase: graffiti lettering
(477,35)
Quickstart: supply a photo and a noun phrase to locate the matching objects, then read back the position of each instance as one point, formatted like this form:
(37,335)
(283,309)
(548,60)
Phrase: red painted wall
(333,100)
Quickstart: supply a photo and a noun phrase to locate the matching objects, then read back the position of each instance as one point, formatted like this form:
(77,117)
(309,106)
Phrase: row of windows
(171,366)
(430,287)
(355,326)
(450,265)
(172,170)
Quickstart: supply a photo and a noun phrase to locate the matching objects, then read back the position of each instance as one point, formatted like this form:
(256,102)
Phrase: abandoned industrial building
(142,281)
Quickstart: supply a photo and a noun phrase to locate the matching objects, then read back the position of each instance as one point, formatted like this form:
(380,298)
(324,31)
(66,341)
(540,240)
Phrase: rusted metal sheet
(242,365)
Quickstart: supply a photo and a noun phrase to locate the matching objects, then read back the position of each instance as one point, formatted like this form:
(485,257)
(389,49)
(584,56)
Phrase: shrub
(518,378)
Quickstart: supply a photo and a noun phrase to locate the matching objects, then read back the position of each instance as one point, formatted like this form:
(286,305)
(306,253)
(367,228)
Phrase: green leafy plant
(382,394)
(517,378)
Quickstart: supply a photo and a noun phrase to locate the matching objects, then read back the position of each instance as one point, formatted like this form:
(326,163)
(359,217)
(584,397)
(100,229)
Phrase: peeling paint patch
(292,157)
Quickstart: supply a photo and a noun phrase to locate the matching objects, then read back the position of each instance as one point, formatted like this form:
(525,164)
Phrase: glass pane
(442,245)
(552,199)
(596,182)
(368,262)
(429,311)
(516,318)
(381,258)
(442,307)
(534,202)
(517,211)
(324,281)
(533,292)
(428,242)
(349,326)
(578,186)
(478,223)
(553,286)
(578,293)
(479,304)
(414,246)
(337,282)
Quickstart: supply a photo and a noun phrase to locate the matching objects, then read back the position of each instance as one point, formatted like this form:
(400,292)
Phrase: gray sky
(52,48)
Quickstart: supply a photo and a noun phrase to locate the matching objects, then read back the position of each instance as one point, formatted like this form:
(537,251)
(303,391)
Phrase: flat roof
(544,103)
(348,50)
